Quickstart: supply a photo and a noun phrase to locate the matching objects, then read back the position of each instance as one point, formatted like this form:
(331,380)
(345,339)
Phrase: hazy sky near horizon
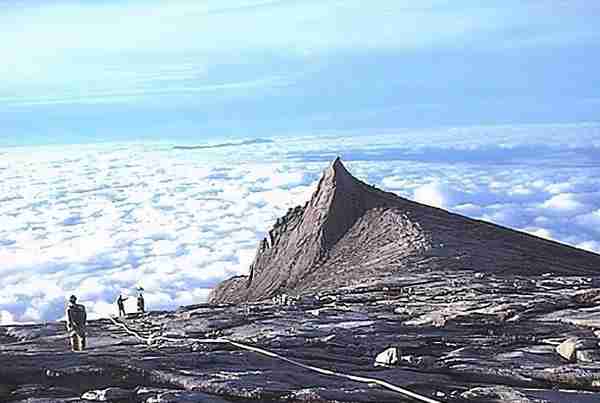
(78,71)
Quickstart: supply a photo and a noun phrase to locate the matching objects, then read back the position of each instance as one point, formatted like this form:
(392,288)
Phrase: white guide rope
(384,384)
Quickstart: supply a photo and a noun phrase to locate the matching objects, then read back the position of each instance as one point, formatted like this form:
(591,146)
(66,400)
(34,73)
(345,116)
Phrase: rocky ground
(450,336)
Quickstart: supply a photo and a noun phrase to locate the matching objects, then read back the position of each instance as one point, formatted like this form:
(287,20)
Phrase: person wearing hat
(76,323)
(140,302)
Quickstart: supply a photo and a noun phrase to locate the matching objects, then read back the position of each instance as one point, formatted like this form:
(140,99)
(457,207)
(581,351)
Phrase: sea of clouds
(99,219)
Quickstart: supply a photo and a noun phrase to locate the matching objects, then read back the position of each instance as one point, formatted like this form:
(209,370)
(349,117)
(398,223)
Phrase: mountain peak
(337,164)
(335,178)
(350,231)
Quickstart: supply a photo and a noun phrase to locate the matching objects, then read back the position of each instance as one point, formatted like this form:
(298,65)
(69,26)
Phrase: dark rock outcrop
(457,337)
(350,231)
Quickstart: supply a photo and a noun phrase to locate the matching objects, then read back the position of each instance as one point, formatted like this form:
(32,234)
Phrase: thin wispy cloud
(176,86)
(51,49)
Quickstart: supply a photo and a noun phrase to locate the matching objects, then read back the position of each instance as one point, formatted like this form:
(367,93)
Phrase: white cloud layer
(97,220)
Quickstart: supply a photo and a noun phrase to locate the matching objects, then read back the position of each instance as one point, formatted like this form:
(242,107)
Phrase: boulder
(587,355)
(108,395)
(387,357)
(566,349)
(143,393)
(417,361)
(434,319)
(569,349)
(587,297)
(185,397)
(496,394)
(401,310)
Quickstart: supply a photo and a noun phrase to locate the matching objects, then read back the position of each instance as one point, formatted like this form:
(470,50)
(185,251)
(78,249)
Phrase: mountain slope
(350,231)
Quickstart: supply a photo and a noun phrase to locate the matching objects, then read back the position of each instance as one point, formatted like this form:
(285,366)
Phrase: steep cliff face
(350,231)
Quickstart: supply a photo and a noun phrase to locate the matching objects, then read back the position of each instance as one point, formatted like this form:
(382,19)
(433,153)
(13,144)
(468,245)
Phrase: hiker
(140,303)
(76,322)
(121,305)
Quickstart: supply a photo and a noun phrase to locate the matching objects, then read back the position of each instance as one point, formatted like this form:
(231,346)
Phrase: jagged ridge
(350,231)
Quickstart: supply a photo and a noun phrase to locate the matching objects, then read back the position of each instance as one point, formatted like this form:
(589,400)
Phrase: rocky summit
(350,231)
(357,296)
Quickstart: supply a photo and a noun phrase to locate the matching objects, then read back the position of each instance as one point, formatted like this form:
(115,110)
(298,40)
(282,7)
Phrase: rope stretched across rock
(362,379)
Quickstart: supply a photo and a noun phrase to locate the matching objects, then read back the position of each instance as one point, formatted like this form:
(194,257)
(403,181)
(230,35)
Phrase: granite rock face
(350,231)
(359,282)
(457,337)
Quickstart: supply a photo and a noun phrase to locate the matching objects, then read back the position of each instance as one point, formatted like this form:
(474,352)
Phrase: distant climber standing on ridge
(121,305)
(140,301)
(76,323)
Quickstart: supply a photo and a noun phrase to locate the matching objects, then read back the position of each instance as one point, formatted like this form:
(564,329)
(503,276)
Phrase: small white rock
(567,349)
(106,395)
(387,357)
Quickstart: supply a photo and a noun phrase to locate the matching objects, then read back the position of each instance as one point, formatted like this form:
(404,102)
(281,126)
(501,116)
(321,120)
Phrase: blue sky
(77,71)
